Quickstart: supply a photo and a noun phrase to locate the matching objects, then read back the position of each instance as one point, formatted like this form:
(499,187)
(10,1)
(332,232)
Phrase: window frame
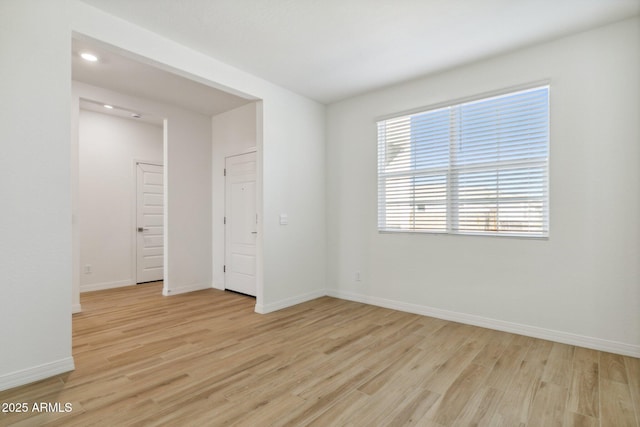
(453,214)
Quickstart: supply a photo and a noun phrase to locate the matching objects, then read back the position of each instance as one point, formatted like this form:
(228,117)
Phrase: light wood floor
(205,359)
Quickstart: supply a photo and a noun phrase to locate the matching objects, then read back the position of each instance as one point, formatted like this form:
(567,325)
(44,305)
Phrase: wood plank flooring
(206,359)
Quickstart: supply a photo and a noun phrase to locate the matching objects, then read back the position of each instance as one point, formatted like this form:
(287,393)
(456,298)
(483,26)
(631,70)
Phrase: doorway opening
(201,125)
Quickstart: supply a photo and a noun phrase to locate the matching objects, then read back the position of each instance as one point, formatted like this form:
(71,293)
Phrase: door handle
(141,229)
(254,232)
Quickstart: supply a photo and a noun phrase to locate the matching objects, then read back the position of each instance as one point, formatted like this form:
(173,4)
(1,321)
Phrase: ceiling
(332,49)
(132,77)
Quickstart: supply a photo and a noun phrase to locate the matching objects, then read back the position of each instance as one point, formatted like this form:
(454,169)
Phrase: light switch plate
(284,219)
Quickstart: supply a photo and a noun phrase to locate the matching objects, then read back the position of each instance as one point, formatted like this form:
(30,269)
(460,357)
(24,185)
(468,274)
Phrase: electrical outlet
(87,269)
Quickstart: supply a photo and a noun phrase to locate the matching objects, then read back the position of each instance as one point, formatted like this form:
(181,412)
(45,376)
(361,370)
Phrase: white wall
(108,146)
(582,284)
(233,132)
(35,191)
(188,175)
(187,162)
(294,171)
(290,151)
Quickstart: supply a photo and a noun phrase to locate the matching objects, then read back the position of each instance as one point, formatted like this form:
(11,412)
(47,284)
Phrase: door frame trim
(134,213)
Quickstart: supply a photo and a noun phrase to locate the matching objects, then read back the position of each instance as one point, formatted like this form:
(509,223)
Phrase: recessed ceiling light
(89,57)
(108,106)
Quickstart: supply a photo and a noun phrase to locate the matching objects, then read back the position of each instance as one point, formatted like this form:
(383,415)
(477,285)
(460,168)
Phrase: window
(478,167)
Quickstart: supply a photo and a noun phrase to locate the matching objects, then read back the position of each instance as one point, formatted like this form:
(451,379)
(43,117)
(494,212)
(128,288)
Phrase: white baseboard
(36,373)
(76,308)
(215,286)
(500,325)
(279,305)
(106,285)
(184,289)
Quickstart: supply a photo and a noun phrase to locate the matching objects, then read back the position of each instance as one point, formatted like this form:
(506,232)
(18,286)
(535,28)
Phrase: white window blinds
(479,167)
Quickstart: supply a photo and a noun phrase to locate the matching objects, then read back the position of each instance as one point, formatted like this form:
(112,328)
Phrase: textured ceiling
(332,49)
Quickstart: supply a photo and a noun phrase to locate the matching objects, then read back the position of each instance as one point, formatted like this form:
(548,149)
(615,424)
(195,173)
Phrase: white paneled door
(240,223)
(149,218)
